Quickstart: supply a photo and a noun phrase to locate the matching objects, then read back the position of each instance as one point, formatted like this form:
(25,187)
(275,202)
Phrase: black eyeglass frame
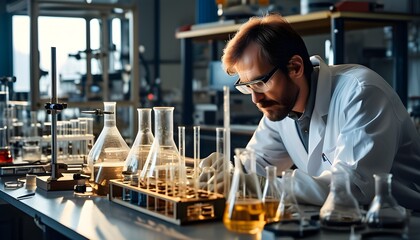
(264,79)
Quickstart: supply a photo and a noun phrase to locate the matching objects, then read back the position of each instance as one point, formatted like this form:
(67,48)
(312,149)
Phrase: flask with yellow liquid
(244,212)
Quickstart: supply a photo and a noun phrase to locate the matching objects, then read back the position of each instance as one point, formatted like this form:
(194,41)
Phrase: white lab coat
(359,122)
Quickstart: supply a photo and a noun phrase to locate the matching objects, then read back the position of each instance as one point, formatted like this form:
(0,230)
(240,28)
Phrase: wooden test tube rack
(197,206)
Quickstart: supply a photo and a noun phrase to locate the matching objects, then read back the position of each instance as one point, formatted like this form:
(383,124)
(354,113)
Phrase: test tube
(220,155)
(226,125)
(182,170)
(62,132)
(83,130)
(196,158)
(211,176)
(75,145)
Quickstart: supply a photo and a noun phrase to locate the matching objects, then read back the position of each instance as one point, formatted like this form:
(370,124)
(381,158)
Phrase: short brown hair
(277,39)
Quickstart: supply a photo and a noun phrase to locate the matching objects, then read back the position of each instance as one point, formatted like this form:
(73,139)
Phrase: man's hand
(212,173)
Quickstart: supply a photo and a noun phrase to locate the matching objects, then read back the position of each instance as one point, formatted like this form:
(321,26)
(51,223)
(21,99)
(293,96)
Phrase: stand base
(66,182)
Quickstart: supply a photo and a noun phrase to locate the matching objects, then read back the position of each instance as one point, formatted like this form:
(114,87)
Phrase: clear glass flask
(244,212)
(384,211)
(162,167)
(107,156)
(271,195)
(288,207)
(139,150)
(341,210)
(142,143)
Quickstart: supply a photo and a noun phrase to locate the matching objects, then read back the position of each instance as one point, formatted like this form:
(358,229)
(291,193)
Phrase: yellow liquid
(271,214)
(247,217)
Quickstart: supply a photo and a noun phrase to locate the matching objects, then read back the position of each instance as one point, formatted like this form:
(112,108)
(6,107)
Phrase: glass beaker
(341,210)
(109,152)
(5,153)
(163,153)
(288,207)
(139,150)
(244,212)
(384,211)
(271,195)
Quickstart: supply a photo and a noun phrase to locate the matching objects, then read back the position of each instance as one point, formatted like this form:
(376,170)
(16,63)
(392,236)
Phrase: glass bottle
(341,210)
(288,207)
(162,168)
(139,150)
(271,195)
(384,211)
(244,212)
(107,156)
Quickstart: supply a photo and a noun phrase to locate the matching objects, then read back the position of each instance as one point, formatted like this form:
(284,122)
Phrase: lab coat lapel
(293,143)
(319,116)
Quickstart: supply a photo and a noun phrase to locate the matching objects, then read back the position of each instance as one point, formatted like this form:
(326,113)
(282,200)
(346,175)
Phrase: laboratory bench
(61,215)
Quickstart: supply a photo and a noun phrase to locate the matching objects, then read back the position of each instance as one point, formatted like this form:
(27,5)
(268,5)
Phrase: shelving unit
(81,9)
(335,23)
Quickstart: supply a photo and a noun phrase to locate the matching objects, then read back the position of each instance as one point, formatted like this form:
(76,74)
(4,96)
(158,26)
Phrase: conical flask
(162,168)
(244,212)
(288,207)
(341,210)
(271,195)
(139,151)
(384,211)
(107,156)
(142,143)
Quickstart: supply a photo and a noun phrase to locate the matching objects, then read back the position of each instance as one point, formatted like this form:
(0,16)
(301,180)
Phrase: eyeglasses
(259,85)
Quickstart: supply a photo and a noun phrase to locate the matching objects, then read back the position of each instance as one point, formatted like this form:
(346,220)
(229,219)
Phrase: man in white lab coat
(347,112)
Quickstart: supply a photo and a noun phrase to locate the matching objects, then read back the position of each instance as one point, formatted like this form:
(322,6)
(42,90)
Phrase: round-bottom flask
(384,211)
(341,210)
(244,212)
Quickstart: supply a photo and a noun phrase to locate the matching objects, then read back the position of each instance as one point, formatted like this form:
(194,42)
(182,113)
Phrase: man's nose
(256,97)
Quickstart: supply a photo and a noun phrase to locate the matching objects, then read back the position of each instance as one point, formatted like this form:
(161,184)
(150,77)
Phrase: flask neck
(287,180)
(164,125)
(340,182)
(145,120)
(383,184)
(271,172)
(110,119)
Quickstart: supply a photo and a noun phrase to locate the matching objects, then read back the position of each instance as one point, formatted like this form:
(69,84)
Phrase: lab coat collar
(319,115)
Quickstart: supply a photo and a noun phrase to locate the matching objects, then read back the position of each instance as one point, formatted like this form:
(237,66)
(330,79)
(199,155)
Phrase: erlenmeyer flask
(341,210)
(244,212)
(271,195)
(384,211)
(288,207)
(162,167)
(139,150)
(142,143)
(106,158)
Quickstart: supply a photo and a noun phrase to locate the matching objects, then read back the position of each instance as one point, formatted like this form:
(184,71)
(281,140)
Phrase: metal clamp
(98,112)
(55,107)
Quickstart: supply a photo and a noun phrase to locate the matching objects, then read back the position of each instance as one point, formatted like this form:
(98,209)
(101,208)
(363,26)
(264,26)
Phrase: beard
(274,111)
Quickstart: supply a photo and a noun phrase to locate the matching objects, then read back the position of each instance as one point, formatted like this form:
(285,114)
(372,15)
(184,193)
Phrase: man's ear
(296,67)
